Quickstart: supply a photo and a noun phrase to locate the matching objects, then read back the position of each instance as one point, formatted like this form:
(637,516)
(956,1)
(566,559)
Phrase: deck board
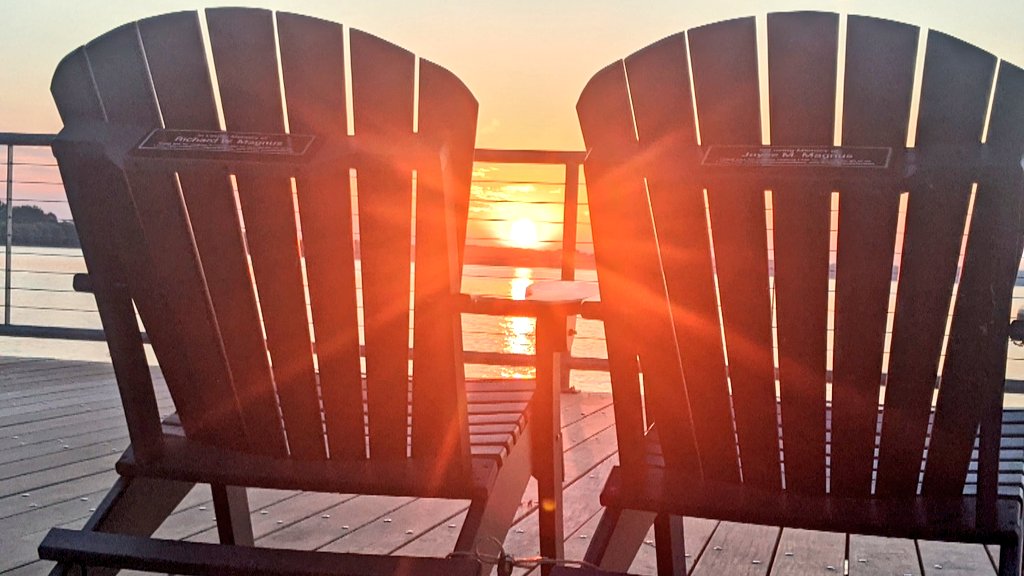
(804,552)
(941,559)
(874,555)
(741,549)
(346,516)
(50,404)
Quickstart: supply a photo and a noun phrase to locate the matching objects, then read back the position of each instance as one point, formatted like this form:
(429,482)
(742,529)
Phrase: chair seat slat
(911,517)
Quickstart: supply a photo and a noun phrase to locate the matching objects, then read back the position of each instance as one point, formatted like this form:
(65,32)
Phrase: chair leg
(546,414)
(670,549)
(618,537)
(490,518)
(136,506)
(1010,557)
(231,507)
(550,512)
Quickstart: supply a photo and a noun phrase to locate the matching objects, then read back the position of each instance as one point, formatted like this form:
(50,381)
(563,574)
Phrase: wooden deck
(62,428)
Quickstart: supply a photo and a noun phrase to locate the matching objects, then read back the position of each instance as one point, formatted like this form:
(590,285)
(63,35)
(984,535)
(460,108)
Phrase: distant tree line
(35,227)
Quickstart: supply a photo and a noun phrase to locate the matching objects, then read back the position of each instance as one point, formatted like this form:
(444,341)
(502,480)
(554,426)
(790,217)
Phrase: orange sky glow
(526,61)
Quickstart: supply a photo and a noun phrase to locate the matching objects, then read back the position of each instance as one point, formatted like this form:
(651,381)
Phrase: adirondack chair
(212,234)
(715,253)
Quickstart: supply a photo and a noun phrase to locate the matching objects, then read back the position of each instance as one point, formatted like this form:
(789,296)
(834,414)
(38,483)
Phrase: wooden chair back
(258,289)
(739,293)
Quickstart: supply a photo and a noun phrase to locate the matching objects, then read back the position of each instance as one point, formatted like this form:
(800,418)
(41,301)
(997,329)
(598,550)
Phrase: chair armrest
(96,140)
(562,291)
(81,282)
(1017,328)
(559,297)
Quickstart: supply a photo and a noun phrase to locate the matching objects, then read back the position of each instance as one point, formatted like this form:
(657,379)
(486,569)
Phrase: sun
(522,233)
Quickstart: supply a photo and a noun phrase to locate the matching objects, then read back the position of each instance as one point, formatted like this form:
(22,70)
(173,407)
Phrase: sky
(525,60)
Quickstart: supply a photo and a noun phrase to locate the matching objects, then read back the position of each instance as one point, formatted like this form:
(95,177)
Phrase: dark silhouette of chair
(217,237)
(723,264)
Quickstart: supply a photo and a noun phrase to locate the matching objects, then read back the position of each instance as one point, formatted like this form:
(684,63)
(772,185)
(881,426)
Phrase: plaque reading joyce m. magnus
(798,156)
(184,142)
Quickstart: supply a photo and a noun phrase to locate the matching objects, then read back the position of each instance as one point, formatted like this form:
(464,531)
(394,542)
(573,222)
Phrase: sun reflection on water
(518,332)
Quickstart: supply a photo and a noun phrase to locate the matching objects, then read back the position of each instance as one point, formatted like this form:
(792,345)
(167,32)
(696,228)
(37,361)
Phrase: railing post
(570,215)
(10,234)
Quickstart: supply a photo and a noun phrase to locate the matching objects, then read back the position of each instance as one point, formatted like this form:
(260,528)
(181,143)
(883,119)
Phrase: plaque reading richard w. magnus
(183,142)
